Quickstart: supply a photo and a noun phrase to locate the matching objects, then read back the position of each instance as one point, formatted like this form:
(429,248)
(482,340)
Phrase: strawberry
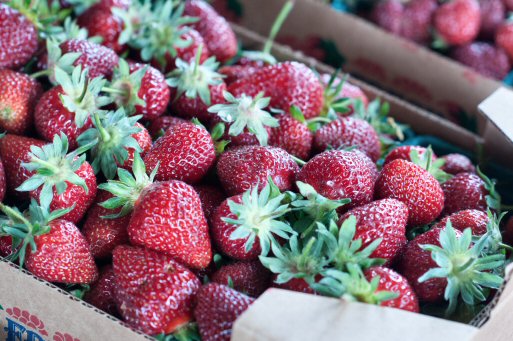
(246,118)
(294,284)
(241,168)
(292,135)
(2,181)
(457,163)
(232,73)
(250,278)
(394,282)
(63,179)
(416,20)
(115,137)
(5,246)
(287,83)
(19,94)
(67,107)
(246,225)
(15,150)
(140,89)
(383,219)
(485,58)
(52,249)
(104,234)
(338,174)
(159,125)
(504,38)
(388,14)
(19,40)
(469,191)
(445,263)
(339,89)
(211,197)
(457,22)
(101,22)
(101,294)
(404,152)
(473,219)
(185,233)
(145,282)
(413,185)
(186,152)
(214,29)
(508,4)
(493,13)
(348,132)
(195,86)
(217,309)
(98,59)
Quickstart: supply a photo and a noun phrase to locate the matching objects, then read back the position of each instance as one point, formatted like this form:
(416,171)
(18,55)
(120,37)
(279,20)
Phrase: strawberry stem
(114,91)
(40,73)
(277,25)
(298,160)
(197,61)
(103,132)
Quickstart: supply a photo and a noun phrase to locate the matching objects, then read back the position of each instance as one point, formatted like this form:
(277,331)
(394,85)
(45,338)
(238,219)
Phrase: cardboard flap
(498,108)
(285,315)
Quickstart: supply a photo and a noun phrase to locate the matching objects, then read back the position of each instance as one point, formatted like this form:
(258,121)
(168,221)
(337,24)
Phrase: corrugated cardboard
(35,310)
(416,73)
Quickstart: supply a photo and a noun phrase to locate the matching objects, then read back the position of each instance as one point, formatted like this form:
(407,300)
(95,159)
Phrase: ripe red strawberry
(161,124)
(195,86)
(416,20)
(5,246)
(385,219)
(457,163)
(293,136)
(186,152)
(457,22)
(211,197)
(2,181)
(215,30)
(485,58)
(476,220)
(415,262)
(404,152)
(19,94)
(243,167)
(338,174)
(123,4)
(101,22)
(508,4)
(349,132)
(221,232)
(154,293)
(493,13)
(250,278)
(294,284)
(388,14)
(504,38)
(104,234)
(217,309)
(288,83)
(101,294)
(19,40)
(414,186)
(389,280)
(184,233)
(235,72)
(62,179)
(466,191)
(98,59)
(15,150)
(144,141)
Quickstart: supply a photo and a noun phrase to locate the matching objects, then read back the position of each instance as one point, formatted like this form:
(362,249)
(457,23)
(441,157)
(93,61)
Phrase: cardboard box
(398,65)
(34,310)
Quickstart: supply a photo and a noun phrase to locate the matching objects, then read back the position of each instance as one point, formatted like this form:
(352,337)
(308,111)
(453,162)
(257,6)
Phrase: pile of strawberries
(169,179)
(476,33)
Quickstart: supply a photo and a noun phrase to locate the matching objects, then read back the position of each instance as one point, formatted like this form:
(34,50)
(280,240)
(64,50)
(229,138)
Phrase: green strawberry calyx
(377,115)
(333,102)
(246,112)
(54,168)
(427,162)
(55,60)
(298,259)
(111,137)
(159,34)
(128,188)
(125,86)
(353,286)
(24,227)
(465,265)
(81,95)
(195,78)
(260,215)
(343,249)
(493,198)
